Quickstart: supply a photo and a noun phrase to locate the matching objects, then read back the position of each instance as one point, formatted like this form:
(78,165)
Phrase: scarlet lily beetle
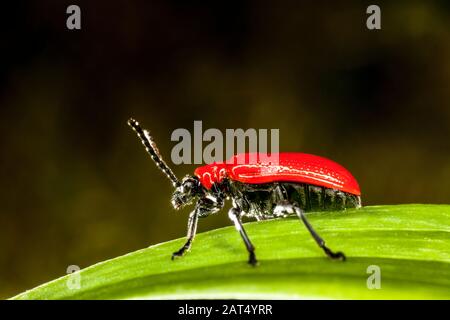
(298,182)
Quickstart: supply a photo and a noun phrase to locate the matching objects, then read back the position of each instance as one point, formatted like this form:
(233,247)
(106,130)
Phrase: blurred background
(77,186)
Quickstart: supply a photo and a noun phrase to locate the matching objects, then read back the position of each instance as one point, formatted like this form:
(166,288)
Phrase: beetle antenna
(153,151)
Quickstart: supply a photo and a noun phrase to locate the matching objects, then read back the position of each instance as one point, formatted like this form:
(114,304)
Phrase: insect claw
(335,255)
(252,260)
(340,256)
(177,254)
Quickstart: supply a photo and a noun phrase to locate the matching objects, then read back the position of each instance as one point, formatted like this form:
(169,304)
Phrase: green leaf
(409,243)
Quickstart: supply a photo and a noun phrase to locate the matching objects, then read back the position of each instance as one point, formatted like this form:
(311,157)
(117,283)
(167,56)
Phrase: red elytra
(257,168)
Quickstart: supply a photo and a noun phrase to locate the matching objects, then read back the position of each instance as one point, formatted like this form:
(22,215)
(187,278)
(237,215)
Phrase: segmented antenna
(153,151)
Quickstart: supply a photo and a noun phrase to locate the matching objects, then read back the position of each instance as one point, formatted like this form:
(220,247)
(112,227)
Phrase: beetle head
(189,188)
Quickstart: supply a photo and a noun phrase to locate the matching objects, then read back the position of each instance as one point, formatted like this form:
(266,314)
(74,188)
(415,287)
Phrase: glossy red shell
(291,167)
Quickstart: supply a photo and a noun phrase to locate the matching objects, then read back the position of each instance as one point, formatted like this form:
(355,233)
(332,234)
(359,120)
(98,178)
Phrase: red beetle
(260,188)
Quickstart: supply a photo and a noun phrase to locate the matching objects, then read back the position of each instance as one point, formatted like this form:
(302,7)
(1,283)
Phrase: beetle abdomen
(260,200)
(316,198)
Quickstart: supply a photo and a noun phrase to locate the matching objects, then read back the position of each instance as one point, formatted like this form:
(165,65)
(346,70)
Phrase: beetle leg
(235,215)
(192,228)
(203,208)
(333,255)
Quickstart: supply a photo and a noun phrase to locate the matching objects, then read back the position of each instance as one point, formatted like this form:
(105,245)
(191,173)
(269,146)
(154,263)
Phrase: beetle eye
(188,186)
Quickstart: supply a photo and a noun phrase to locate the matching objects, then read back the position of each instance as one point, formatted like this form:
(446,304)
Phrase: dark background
(78,188)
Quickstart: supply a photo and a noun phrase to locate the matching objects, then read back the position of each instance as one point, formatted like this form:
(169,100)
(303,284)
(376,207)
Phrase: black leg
(192,228)
(234,215)
(333,255)
(204,207)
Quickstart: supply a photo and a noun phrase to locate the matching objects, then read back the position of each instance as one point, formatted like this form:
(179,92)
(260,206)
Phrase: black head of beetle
(189,189)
